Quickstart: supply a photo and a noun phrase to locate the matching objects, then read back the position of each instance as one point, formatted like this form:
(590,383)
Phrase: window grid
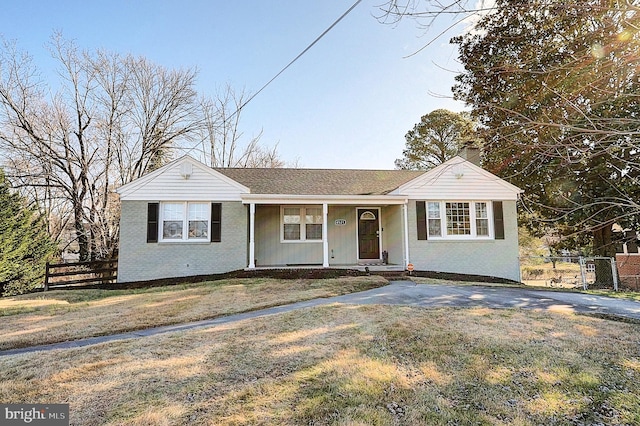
(482,220)
(433,219)
(458,219)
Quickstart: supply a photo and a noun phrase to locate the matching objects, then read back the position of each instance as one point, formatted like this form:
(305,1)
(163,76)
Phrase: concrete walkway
(401,293)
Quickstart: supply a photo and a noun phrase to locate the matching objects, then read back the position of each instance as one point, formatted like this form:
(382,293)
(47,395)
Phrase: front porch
(370,267)
(308,232)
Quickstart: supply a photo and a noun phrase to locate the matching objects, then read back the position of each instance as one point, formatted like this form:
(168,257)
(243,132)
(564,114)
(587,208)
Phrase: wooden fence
(61,275)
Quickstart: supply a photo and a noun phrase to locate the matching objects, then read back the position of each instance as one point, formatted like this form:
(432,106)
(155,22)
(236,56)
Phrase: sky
(346,103)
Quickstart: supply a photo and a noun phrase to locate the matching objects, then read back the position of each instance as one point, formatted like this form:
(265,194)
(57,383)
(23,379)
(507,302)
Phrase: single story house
(188,219)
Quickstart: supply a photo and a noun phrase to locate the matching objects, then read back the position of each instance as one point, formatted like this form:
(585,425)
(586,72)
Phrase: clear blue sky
(347,103)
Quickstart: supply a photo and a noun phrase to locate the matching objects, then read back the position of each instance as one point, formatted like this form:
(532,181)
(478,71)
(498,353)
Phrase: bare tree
(112,120)
(222,139)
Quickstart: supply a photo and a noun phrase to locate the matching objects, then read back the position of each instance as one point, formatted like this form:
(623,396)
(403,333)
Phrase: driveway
(448,295)
(403,293)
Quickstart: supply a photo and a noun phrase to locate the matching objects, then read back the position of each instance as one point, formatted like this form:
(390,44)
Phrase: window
(185,221)
(302,223)
(291,220)
(172,221)
(313,223)
(198,221)
(482,220)
(433,219)
(458,219)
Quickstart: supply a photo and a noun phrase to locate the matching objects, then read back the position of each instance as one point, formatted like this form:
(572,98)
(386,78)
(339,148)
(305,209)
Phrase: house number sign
(341,222)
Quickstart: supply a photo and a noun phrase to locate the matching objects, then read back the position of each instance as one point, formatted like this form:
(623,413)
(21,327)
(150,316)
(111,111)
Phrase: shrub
(25,245)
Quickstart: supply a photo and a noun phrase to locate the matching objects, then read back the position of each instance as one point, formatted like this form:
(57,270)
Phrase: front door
(368,234)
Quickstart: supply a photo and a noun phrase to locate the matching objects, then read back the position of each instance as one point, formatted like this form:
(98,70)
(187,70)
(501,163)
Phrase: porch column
(405,216)
(252,236)
(325,235)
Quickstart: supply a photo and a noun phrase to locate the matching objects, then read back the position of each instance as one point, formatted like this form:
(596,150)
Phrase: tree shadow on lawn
(338,364)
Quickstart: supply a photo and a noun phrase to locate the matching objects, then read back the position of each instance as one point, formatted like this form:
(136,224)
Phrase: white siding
(203,184)
(458,179)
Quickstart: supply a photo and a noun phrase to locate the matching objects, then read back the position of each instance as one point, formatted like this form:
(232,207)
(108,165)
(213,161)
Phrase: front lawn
(349,365)
(60,315)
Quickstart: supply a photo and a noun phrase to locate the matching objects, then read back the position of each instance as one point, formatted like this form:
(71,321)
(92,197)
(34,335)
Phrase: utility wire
(297,57)
(353,6)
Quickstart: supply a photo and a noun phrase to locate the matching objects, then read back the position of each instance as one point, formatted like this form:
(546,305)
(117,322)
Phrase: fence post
(614,273)
(583,272)
(46,277)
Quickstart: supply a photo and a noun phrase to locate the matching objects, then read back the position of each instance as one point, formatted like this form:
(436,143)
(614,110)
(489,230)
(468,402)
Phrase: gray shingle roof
(320,181)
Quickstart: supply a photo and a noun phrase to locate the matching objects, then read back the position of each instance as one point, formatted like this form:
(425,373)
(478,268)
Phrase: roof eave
(317,199)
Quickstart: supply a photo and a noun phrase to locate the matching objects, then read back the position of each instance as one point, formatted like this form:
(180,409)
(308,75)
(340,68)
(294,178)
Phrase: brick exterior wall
(629,270)
(141,261)
(496,258)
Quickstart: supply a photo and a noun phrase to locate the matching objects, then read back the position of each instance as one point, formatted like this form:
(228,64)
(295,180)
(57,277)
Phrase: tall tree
(438,137)
(222,137)
(25,246)
(112,120)
(554,83)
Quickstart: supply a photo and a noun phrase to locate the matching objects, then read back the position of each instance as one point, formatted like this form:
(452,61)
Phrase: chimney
(470,153)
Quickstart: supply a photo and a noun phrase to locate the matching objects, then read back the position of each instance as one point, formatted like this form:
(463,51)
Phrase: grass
(350,365)
(436,281)
(62,315)
(627,295)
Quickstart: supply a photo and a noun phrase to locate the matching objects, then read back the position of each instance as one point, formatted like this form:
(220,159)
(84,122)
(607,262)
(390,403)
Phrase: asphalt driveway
(404,293)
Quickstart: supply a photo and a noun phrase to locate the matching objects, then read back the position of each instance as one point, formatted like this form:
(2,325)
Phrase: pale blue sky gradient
(347,103)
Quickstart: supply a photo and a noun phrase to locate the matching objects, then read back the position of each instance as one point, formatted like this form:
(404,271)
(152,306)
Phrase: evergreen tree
(554,84)
(438,137)
(25,245)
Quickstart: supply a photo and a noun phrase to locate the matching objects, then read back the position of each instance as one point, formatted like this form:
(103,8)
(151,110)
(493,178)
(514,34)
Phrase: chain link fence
(569,272)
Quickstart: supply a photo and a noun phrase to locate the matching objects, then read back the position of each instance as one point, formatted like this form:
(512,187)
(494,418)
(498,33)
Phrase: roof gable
(189,179)
(183,179)
(458,178)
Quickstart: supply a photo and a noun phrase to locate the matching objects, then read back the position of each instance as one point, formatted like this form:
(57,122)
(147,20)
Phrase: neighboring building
(188,219)
(628,260)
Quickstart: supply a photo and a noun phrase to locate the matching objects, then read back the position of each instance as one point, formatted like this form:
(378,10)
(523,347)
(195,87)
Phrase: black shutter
(421,219)
(216,222)
(152,222)
(498,220)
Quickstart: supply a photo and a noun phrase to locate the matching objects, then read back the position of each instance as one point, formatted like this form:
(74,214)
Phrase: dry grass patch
(346,365)
(437,281)
(61,315)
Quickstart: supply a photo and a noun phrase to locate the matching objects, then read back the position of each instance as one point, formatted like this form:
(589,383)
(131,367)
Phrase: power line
(297,57)
(353,6)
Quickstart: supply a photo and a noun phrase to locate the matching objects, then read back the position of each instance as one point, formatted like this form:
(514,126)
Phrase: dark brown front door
(368,234)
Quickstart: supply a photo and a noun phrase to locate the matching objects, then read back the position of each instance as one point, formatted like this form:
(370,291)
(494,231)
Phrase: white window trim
(472,212)
(185,224)
(303,228)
